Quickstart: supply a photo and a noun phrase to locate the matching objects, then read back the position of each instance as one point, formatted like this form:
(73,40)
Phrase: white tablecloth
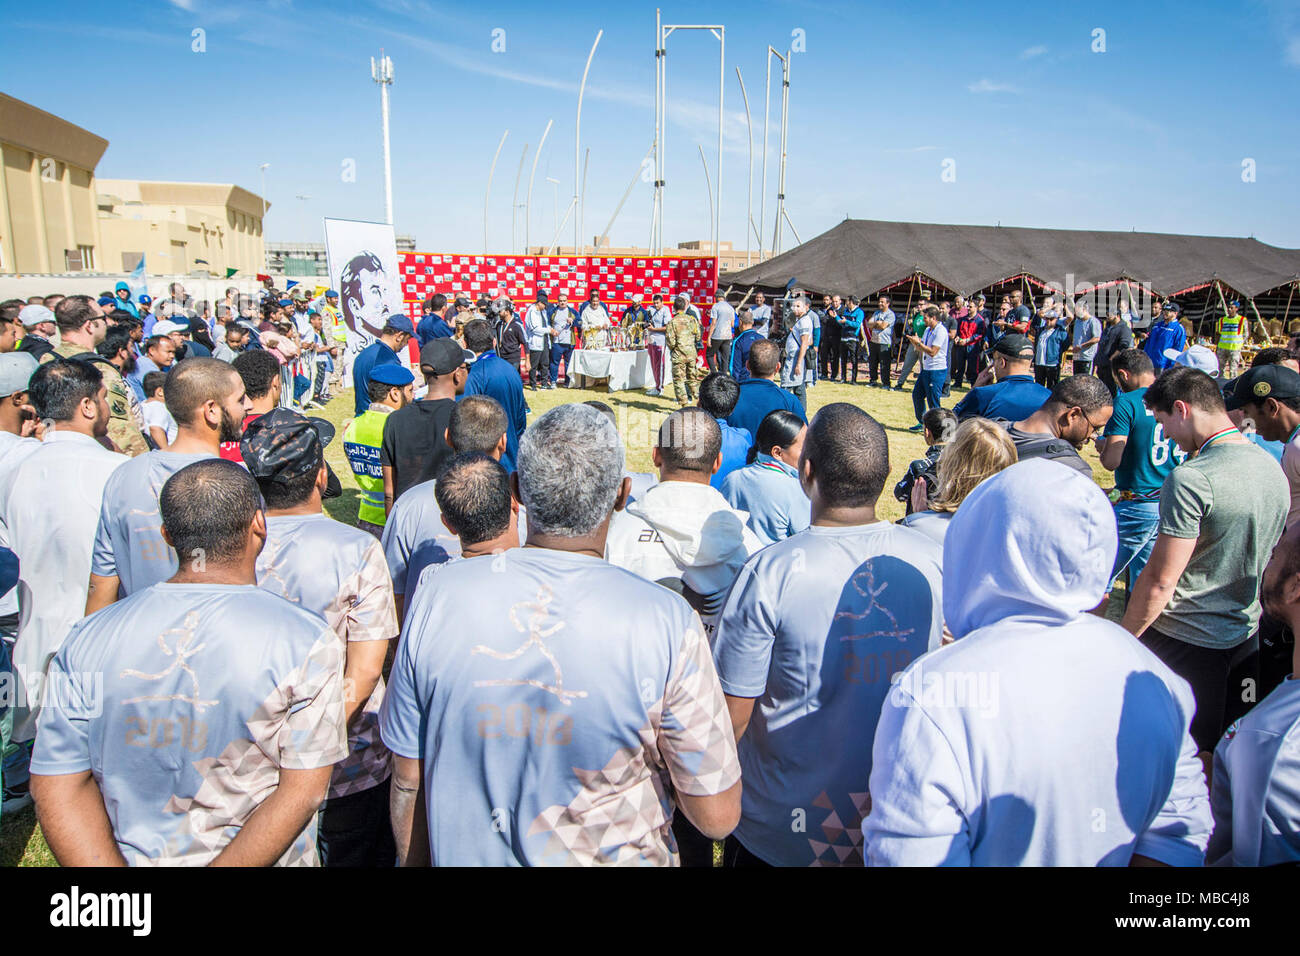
(625,370)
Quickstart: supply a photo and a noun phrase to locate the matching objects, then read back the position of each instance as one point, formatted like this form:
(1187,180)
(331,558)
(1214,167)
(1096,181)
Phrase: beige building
(47,192)
(180,228)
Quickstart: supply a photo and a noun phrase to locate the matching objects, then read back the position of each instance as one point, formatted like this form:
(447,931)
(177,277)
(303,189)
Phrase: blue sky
(1040,130)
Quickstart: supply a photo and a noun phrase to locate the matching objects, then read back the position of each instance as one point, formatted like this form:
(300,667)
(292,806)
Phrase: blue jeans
(14,757)
(1138,523)
(560,351)
(925,393)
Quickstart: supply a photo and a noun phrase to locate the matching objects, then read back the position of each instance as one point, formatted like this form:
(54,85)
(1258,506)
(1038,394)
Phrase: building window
(87,257)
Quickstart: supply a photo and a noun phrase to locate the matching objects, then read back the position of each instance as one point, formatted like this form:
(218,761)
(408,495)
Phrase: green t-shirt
(918,324)
(1149,455)
(1233,499)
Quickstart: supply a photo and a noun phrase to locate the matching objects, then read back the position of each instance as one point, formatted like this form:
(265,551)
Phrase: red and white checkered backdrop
(520,276)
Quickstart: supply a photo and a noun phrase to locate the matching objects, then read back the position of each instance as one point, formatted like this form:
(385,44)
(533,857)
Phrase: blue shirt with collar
(1014,398)
(851,323)
(735,451)
(376,353)
(433,326)
(493,376)
(769,491)
(758,398)
(740,353)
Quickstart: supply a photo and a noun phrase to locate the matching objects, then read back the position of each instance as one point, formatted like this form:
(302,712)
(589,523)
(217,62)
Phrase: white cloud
(1033,51)
(183,4)
(986,85)
(1293,51)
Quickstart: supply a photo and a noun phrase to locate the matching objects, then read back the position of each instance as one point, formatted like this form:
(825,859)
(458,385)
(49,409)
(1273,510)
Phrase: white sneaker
(652,392)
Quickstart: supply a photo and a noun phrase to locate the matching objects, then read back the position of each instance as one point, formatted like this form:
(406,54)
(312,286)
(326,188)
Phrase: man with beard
(207,399)
(1077,410)
(365,306)
(82,327)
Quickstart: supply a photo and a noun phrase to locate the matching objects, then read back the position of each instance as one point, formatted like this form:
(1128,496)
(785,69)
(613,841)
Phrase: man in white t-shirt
(933,347)
(54,543)
(762,313)
(798,342)
(1043,735)
(566,699)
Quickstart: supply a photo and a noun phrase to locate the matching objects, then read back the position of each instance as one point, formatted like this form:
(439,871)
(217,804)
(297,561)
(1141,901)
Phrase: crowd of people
(521,652)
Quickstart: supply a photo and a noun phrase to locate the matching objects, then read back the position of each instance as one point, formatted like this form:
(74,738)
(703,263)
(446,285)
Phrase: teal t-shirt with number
(1149,454)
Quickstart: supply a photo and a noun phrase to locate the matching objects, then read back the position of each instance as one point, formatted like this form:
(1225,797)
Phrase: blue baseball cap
(106,300)
(331,293)
(1171,307)
(284,302)
(144,299)
(392,374)
(401,322)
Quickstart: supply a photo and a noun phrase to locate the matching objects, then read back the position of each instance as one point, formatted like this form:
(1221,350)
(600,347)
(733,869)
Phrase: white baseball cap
(16,370)
(1198,357)
(33,315)
(167,327)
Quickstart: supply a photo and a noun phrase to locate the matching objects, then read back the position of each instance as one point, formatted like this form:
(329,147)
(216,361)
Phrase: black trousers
(1107,379)
(693,847)
(1218,677)
(828,356)
(357,831)
(879,357)
(719,355)
(735,854)
(849,359)
(965,363)
(540,360)
(1047,375)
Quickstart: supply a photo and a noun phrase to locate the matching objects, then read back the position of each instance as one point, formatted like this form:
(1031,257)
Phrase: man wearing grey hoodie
(681,533)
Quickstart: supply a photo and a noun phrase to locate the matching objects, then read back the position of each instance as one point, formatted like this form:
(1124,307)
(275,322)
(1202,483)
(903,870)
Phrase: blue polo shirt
(740,353)
(376,353)
(1014,398)
(735,451)
(431,327)
(493,376)
(1161,336)
(758,398)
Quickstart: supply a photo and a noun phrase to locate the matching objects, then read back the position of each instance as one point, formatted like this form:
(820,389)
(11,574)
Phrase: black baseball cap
(1261,382)
(444,356)
(1015,345)
(283,445)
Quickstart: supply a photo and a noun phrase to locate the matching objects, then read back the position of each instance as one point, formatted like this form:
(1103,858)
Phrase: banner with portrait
(363,268)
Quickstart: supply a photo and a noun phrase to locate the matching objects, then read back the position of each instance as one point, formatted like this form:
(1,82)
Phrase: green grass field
(21,843)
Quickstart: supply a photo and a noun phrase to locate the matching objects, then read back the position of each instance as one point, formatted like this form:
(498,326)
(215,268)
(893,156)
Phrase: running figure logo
(537,634)
(181,654)
(871,592)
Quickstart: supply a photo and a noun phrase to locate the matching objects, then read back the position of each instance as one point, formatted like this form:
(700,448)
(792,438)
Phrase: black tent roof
(864,255)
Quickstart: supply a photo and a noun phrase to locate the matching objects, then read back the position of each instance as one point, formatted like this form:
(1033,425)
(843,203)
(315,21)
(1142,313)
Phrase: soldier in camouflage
(82,326)
(683,334)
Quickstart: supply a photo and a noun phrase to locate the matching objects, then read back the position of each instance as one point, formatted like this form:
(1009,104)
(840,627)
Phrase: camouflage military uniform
(125,420)
(683,334)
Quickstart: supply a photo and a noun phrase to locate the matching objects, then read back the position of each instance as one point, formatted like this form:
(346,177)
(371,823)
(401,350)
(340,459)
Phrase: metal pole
(550,249)
(514,203)
(767,109)
(627,192)
(780,179)
(749,198)
(586,159)
(382,73)
(488,195)
(709,186)
(721,34)
(658,141)
(528,203)
(577,132)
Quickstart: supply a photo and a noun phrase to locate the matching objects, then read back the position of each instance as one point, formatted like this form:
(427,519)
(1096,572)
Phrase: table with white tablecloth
(624,370)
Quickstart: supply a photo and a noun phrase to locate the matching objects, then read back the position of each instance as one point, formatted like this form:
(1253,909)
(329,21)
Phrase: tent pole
(1260,319)
(1287,317)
